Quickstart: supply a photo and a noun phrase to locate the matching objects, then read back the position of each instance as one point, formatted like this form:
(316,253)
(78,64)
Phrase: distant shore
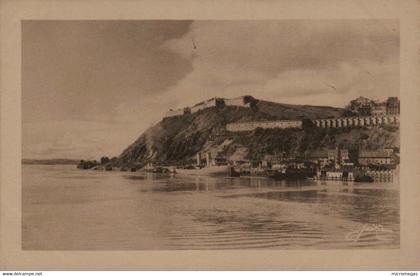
(58,161)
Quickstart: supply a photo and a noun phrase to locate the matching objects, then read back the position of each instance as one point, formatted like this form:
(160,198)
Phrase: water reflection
(361,205)
(135,210)
(174,183)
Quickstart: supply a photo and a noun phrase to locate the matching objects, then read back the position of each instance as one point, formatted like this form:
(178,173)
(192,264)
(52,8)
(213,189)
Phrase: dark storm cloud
(278,59)
(98,84)
(75,69)
(275,46)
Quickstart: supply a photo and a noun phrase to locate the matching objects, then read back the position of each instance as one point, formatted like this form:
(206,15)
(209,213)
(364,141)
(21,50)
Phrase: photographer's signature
(366,229)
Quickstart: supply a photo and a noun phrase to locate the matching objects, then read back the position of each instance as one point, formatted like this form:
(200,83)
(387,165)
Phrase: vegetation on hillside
(178,139)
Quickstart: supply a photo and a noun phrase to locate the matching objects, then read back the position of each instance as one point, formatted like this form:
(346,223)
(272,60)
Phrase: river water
(64,208)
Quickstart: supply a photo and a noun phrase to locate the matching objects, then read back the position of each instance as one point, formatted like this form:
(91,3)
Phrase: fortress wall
(237,102)
(203,105)
(249,126)
(198,107)
(213,102)
(172,113)
(357,121)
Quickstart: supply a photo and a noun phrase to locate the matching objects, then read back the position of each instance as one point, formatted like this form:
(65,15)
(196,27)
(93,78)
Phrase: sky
(90,88)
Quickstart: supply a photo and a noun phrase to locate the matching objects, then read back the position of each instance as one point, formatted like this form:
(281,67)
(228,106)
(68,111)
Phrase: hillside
(182,137)
(178,139)
(289,111)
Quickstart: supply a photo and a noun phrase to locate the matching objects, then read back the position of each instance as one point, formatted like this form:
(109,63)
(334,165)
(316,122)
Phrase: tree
(354,155)
(104,160)
(307,124)
(349,113)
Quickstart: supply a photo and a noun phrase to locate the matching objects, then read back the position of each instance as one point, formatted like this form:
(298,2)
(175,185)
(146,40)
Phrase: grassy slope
(181,137)
(289,111)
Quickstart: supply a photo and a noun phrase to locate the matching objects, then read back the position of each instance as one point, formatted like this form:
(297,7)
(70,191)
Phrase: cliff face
(178,139)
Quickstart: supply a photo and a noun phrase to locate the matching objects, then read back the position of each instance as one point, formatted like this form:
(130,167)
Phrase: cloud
(288,60)
(76,139)
(133,73)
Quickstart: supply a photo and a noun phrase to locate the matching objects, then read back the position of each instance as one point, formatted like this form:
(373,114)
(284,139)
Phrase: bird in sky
(194,46)
(331,86)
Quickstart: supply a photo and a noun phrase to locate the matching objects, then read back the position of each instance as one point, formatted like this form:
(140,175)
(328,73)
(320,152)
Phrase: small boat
(363,178)
(292,173)
(157,170)
(233,172)
(206,171)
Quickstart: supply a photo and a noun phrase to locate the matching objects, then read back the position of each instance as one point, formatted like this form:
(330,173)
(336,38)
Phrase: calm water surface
(69,209)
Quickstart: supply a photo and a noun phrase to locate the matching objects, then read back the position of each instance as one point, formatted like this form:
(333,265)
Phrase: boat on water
(206,171)
(292,174)
(157,170)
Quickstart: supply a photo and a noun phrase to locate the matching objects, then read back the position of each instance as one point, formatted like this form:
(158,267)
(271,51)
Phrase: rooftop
(374,154)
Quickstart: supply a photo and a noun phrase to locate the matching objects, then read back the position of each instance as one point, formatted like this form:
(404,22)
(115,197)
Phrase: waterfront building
(378,157)
(208,159)
(392,106)
(219,161)
(379,109)
(335,174)
(338,156)
(198,159)
(319,157)
(344,156)
(244,163)
(381,175)
(333,154)
(277,160)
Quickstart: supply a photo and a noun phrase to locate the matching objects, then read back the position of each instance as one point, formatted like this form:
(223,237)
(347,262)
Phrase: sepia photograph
(210,134)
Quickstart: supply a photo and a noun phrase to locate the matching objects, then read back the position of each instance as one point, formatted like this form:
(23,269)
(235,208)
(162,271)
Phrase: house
(362,106)
(378,157)
(379,109)
(219,161)
(339,156)
(333,154)
(392,106)
(336,174)
(344,156)
(320,157)
(270,160)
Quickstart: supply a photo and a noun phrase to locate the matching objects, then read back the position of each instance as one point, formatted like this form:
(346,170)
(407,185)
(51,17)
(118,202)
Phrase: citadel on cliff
(360,112)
